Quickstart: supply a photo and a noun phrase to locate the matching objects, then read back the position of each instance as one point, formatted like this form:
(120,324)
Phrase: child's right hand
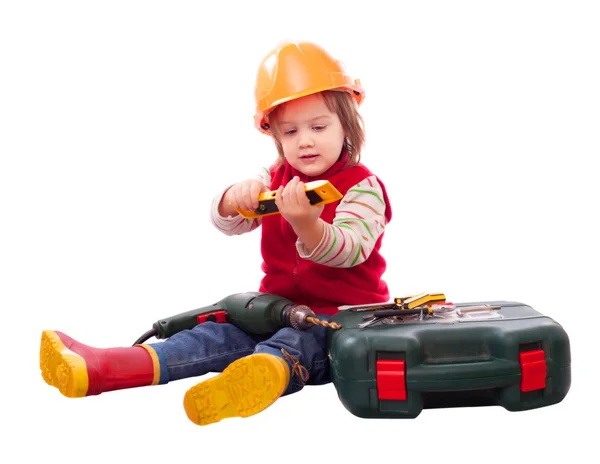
(243,195)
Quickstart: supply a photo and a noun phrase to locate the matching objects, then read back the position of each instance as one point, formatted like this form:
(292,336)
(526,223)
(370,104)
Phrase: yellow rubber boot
(79,370)
(246,387)
(62,368)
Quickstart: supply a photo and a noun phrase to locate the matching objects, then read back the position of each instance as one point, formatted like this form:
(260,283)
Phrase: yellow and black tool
(421,299)
(319,192)
(402,304)
(421,303)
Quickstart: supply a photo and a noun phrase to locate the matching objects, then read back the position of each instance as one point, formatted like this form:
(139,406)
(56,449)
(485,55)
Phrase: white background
(119,121)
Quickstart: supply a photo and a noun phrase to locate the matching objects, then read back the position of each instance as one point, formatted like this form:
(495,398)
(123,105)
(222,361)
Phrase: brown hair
(342,104)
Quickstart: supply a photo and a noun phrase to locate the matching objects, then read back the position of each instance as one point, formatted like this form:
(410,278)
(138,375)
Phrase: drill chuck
(296,316)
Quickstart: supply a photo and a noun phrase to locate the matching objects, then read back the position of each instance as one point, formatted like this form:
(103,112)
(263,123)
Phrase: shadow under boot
(78,370)
(246,387)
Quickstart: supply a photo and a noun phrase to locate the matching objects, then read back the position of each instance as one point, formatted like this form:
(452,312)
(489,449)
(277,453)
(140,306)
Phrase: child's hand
(243,195)
(294,206)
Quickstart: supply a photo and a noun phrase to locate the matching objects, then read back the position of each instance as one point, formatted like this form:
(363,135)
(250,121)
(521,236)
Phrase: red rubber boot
(79,370)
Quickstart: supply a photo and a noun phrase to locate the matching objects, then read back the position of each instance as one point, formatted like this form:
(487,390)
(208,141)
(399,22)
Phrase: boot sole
(246,387)
(61,368)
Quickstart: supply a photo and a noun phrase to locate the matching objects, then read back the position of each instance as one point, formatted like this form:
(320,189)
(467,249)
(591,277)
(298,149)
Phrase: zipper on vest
(295,274)
(297,280)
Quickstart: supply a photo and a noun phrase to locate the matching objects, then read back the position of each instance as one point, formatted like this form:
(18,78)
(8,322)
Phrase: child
(323,257)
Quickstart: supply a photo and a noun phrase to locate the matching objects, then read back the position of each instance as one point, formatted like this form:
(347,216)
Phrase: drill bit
(302,317)
(316,321)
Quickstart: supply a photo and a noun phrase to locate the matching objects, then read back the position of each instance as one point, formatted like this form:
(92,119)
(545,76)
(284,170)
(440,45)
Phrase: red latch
(216,316)
(533,370)
(391,379)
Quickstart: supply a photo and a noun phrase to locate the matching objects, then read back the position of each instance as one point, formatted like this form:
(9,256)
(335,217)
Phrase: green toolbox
(394,360)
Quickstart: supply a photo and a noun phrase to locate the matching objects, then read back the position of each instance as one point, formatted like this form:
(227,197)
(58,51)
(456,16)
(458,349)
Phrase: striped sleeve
(358,223)
(236,225)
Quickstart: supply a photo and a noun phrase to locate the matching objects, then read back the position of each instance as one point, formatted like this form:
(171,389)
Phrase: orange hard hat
(296,69)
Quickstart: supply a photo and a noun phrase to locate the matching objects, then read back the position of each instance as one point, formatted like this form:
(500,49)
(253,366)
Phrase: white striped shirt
(359,221)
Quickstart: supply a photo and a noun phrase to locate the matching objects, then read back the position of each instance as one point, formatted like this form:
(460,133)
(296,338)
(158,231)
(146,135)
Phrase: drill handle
(168,327)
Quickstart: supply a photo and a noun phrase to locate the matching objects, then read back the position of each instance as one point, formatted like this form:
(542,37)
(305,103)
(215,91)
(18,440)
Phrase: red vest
(320,287)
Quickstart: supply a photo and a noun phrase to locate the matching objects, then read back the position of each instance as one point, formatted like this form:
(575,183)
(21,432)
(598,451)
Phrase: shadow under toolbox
(504,353)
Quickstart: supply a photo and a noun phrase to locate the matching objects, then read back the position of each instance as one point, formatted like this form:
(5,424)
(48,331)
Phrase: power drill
(254,312)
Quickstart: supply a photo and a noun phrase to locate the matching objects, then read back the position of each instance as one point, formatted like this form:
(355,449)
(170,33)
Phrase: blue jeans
(211,347)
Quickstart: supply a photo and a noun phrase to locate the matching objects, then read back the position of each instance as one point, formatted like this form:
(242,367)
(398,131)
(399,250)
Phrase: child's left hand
(294,206)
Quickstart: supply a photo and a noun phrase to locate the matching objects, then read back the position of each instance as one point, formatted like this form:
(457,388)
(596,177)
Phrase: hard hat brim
(356,91)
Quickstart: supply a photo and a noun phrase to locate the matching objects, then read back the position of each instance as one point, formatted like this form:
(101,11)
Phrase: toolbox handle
(491,373)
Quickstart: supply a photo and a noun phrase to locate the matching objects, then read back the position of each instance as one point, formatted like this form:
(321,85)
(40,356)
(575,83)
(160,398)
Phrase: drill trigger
(216,316)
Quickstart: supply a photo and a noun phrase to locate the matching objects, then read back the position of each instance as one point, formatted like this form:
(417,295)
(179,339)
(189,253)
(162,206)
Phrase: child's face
(310,134)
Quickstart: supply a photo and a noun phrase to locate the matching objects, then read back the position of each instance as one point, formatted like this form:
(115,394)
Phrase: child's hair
(341,103)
